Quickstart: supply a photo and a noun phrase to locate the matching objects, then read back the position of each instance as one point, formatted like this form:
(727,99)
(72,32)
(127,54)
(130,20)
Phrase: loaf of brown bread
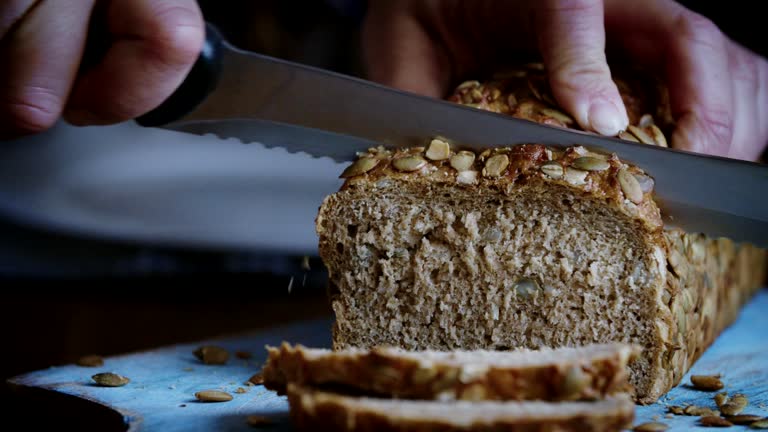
(315,410)
(441,248)
(584,373)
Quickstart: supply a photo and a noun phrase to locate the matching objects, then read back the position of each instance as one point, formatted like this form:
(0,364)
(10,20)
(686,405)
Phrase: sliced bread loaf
(585,373)
(314,410)
(443,248)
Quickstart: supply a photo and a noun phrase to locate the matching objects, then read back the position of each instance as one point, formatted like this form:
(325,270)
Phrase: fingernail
(605,118)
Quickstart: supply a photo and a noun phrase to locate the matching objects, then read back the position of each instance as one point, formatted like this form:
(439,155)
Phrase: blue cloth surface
(163,380)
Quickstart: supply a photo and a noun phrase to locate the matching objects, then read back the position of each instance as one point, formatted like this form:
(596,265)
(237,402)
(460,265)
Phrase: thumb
(571,38)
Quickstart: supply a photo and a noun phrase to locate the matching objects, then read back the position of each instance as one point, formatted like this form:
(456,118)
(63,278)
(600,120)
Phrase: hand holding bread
(718,88)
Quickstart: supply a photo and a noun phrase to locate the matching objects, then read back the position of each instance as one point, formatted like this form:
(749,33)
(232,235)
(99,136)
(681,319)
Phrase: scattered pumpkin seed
(743,419)
(714,421)
(650,427)
(761,424)
(645,121)
(257,379)
(630,186)
(496,165)
(626,136)
(463,160)
(735,405)
(658,136)
(589,163)
(213,396)
(90,361)
(641,135)
(360,167)
(240,390)
(694,410)
(438,150)
(721,398)
(258,421)
(212,355)
(109,379)
(706,382)
(552,169)
(676,410)
(409,163)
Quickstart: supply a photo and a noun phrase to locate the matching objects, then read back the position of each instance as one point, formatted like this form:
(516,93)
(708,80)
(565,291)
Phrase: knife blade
(233,93)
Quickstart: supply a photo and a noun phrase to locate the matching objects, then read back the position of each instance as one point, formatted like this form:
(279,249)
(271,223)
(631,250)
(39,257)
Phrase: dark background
(64,297)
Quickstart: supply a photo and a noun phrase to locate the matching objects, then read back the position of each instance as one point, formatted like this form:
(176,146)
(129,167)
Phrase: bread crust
(313,410)
(526,167)
(524,92)
(384,371)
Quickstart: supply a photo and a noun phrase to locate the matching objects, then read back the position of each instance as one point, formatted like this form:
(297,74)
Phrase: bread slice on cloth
(314,410)
(584,373)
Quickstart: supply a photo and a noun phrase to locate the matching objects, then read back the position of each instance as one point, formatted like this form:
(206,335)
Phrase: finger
(11,12)
(750,127)
(398,52)
(700,87)
(36,82)
(571,37)
(156,43)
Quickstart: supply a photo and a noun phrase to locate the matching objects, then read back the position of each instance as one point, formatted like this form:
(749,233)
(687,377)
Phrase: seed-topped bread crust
(604,177)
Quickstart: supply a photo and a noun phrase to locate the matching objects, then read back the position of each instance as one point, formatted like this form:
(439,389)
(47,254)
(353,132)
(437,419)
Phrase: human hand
(152,45)
(718,89)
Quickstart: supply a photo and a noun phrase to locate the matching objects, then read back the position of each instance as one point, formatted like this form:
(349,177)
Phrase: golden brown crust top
(602,176)
(524,92)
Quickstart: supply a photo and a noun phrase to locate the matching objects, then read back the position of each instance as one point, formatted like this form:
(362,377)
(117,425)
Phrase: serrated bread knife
(257,98)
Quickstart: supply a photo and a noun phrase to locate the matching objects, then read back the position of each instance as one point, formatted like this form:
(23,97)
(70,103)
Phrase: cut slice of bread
(584,373)
(314,410)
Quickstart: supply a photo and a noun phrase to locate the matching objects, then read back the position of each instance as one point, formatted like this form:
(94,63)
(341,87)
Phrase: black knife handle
(199,83)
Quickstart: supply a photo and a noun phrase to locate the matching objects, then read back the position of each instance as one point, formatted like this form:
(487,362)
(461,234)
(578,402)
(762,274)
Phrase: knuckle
(717,124)
(31,109)
(570,6)
(121,109)
(176,33)
(578,76)
(698,29)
